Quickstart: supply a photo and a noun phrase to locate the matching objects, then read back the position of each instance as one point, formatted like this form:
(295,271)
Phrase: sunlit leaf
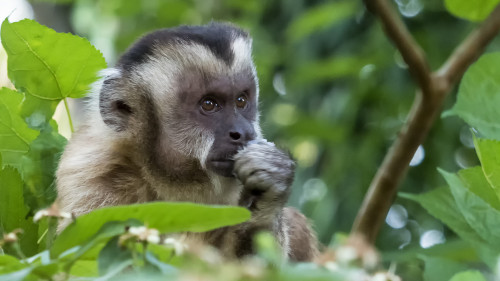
(164,216)
(478,97)
(472,275)
(15,136)
(476,10)
(47,65)
(10,264)
(488,152)
(84,268)
(475,181)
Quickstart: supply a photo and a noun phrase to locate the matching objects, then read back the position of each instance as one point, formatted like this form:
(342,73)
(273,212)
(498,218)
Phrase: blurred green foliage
(333,90)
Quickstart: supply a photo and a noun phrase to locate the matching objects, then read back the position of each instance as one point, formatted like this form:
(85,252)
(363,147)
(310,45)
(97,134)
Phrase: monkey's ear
(115,110)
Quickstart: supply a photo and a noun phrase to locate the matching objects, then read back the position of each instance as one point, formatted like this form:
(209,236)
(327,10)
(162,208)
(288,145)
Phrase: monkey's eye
(209,104)
(241,101)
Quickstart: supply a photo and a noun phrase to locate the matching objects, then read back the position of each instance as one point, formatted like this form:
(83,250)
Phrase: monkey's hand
(266,174)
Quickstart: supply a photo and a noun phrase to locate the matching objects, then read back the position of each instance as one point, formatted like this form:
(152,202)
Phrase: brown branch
(471,48)
(396,30)
(425,109)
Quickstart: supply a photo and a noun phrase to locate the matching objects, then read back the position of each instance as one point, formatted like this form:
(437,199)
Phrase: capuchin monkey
(177,120)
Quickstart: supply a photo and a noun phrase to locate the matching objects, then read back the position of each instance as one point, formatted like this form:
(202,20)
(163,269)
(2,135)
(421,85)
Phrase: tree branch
(471,48)
(396,30)
(426,107)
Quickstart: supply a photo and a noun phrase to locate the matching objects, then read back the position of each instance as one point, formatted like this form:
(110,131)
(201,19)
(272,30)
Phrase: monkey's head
(184,98)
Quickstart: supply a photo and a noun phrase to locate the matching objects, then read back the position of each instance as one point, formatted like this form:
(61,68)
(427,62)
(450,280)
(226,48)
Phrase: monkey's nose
(235,135)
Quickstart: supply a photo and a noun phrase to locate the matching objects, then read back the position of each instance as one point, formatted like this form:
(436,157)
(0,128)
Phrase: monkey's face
(227,109)
(193,94)
(214,115)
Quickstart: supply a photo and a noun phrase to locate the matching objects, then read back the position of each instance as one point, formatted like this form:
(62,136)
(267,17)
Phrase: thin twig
(428,101)
(396,30)
(471,48)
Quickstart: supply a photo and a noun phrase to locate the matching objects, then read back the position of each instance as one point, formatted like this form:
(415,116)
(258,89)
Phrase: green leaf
(112,255)
(39,166)
(108,230)
(483,218)
(12,209)
(472,275)
(478,97)
(488,152)
(48,65)
(13,212)
(321,17)
(45,271)
(439,269)
(15,136)
(441,204)
(475,181)
(165,269)
(19,275)
(10,264)
(117,270)
(476,10)
(167,217)
(37,112)
(84,268)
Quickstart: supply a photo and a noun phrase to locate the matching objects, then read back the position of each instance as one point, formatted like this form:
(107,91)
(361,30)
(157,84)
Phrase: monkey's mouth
(223,167)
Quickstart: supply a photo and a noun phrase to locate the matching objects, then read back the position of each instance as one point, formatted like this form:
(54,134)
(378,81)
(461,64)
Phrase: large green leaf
(478,98)
(48,66)
(440,203)
(15,136)
(483,218)
(165,216)
(488,152)
(476,10)
(475,181)
(13,212)
(471,275)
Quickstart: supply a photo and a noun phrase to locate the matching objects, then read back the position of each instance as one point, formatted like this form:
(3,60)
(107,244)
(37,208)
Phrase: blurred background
(334,91)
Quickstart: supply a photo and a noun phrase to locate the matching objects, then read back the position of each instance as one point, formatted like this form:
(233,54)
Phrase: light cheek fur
(192,141)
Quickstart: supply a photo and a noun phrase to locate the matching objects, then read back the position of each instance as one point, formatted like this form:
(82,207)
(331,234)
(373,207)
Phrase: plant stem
(69,116)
